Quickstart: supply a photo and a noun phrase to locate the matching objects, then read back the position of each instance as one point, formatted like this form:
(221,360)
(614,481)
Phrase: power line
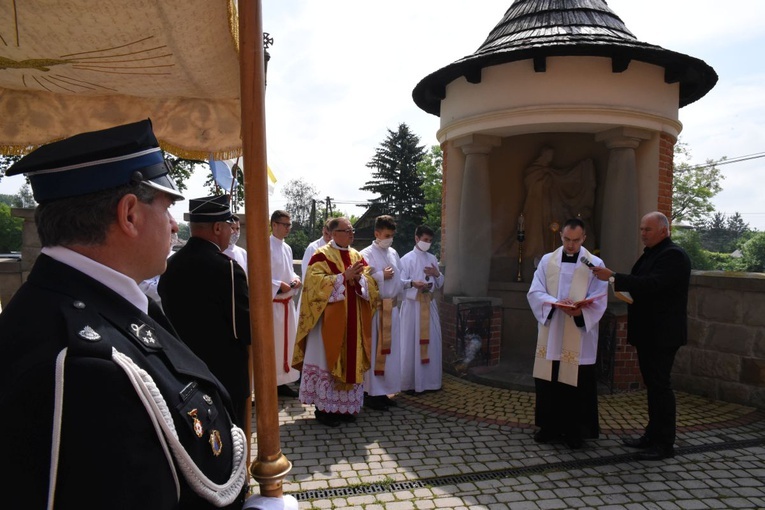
(728,161)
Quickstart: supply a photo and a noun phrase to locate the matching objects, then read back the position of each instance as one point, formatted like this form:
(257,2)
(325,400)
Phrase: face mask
(234,239)
(384,243)
(423,245)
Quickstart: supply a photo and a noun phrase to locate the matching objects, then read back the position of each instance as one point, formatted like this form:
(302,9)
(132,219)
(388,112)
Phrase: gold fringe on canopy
(76,66)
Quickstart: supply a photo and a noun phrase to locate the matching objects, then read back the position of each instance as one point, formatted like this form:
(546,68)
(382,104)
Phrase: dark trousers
(570,411)
(656,368)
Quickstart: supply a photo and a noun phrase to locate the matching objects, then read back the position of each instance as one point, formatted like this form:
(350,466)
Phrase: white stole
(570,348)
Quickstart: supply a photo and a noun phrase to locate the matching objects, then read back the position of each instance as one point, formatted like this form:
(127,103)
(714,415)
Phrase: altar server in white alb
(384,378)
(285,283)
(568,302)
(420,326)
(311,248)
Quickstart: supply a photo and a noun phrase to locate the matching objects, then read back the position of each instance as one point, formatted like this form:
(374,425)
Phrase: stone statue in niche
(554,195)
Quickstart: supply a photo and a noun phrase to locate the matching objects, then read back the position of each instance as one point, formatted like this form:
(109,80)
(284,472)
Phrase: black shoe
(389,401)
(641,442)
(575,443)
(544,436)
(345,417)
(375,403)
(328,419)
(656,452)
(285,391)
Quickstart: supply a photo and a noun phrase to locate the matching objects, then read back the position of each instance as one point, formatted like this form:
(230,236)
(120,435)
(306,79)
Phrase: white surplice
(238,255)
(541,302)
(414,374)
(284,311)
(390,382)
(309,251)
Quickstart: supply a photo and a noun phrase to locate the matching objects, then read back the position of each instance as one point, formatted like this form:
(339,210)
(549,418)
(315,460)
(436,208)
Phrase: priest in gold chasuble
(334,336)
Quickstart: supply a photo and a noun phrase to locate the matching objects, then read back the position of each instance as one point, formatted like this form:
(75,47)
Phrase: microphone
(584,260)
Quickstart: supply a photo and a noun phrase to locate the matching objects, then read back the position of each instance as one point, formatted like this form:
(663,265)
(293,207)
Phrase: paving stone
(437,435)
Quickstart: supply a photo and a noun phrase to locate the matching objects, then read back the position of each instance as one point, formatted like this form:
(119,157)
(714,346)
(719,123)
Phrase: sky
(341,75)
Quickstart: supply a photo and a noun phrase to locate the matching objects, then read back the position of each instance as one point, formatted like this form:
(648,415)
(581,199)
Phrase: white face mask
(384,243)
(423,245)
(234,239)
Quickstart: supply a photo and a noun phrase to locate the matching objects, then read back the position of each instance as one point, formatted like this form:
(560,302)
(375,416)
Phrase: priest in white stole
(568,302)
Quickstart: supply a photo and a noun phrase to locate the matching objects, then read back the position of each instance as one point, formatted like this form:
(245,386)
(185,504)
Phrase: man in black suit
(656,326)
(101,394)
(204,294)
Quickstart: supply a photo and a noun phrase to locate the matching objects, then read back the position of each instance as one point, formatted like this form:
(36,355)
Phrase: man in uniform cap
(110,409)
(204,294)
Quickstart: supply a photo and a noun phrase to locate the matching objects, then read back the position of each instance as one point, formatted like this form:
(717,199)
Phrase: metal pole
(271,465)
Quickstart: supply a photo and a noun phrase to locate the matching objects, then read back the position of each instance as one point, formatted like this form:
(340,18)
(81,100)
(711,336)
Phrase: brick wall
(626,370)
(666,158)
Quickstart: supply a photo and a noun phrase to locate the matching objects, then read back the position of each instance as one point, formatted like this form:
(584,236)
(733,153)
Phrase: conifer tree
(397,183)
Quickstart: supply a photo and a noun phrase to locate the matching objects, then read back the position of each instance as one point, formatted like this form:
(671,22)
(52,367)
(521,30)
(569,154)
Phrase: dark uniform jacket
(204,294)
(658,284)
(110,455)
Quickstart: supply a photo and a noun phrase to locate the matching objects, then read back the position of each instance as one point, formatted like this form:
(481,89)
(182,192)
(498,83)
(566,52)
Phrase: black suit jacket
(110,456)
(204,294)
(658,284)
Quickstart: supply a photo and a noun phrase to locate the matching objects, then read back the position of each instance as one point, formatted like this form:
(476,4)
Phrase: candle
(520,223)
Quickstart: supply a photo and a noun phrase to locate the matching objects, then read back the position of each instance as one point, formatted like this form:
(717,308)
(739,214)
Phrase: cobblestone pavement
(470,446)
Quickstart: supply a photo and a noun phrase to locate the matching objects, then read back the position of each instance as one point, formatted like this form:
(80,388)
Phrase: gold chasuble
(347,324)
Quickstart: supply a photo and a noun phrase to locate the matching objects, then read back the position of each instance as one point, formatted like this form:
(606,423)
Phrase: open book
(579,304)
(624,296)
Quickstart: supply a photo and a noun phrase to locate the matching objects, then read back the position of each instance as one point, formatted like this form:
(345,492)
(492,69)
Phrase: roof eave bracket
(473,75)
(673,74)
(540,64)
(620,64)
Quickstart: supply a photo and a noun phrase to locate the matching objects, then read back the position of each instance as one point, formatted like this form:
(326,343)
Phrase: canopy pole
(271,465)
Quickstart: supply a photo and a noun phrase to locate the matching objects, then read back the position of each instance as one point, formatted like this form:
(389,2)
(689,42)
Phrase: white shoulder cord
(218,495)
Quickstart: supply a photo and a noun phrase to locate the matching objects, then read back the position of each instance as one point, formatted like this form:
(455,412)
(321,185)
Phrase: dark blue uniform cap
(97,161)
(210,209)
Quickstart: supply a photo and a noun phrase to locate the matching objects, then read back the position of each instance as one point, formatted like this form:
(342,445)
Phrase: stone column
(620,219)
(474,250)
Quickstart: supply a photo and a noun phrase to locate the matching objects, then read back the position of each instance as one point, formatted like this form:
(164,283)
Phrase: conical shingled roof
(536,29)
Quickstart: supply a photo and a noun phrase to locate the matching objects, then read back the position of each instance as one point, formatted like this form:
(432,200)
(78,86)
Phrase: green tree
(753,252)
(691,243)
(6,162)
(396,181)
(721,233)
(693,186)
(10,230)
(298,241)
(430,170)
(300,196)
(184,232)
(24,198)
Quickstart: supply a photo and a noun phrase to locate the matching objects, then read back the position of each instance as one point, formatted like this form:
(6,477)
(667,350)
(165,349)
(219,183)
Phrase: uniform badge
(197,424)
(145,334)
(216,442)
(89,333)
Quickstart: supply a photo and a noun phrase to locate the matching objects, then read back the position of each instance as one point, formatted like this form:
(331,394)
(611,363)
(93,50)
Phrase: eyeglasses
(347,231)
(288,225)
